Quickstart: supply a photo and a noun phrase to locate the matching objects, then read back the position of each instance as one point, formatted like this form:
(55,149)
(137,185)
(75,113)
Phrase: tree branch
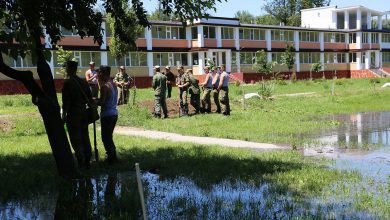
(26,77)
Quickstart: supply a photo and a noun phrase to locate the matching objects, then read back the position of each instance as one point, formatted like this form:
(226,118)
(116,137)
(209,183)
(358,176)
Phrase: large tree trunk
(46,100)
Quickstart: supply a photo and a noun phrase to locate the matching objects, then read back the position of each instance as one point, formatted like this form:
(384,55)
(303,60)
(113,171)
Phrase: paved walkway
(196,140)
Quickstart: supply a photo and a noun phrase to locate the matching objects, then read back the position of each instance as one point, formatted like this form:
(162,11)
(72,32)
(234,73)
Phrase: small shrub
(281,82)
(237,83)
(25,102)
(8,102)
(266,89)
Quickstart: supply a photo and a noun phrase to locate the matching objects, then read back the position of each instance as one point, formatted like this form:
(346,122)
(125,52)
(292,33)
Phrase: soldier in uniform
(122,80)
(216,77)
(183,82)
(207,86)
(194,91)
(170,80)
(159,84)
(223,88)
(74,99)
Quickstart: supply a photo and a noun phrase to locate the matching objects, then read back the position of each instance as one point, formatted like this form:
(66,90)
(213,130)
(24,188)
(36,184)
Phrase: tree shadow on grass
(100,193)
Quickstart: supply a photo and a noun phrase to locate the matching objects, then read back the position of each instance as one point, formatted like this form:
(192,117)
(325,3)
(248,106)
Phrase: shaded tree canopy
(25,24)
(288,11)
(245,17)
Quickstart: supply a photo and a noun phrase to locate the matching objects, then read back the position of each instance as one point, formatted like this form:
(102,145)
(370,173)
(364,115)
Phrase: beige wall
(247,68)
(195,70)
(33,70)
(385,64)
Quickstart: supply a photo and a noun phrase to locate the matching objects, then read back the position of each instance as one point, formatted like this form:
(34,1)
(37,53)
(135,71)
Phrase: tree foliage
(25,24)
(262,65)
(245,17)
(288,57)
(267,20)
(288,11)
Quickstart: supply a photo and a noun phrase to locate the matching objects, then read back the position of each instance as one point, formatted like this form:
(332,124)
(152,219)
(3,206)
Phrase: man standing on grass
(122,80)
(159,84)
(223,88)
(216,77)
(194,91)
(183,82)
(207,86)
(91,77)
(170,80)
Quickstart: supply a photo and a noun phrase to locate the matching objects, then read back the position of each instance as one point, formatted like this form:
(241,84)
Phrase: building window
(168,32)
(66,32)
(374,38)
(334,37)
(195,58)
(386,57)
(308,58)
(20,62)
(227,33)
(335,58)
(247,58)
(277,57)
(209,32)
(194,33)
(385,38)
(352,57)
(251,34)
(309,36)
(133,59)
(352,38)
(170,59)
(365,38)
(278,35)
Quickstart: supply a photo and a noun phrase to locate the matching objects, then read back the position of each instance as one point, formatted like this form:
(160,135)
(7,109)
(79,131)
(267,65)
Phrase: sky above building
(229,8)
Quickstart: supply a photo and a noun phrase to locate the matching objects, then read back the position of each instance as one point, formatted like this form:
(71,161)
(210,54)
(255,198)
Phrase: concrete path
(196,140)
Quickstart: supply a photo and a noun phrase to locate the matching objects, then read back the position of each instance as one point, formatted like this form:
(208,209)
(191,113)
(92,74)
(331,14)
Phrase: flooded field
(359,143)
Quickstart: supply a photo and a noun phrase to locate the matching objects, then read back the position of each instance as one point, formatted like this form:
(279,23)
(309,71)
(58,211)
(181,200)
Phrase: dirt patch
(6,125)
(173,106)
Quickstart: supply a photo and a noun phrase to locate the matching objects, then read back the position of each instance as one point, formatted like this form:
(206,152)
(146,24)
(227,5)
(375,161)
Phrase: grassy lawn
(27,167)
(282,120)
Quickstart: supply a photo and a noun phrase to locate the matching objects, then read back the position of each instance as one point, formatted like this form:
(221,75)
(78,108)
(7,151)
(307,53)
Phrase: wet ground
(359,142)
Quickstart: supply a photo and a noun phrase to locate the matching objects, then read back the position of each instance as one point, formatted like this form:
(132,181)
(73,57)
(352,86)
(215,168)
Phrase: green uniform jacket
(125,78)
(159,84)
(194,85)
(183,79)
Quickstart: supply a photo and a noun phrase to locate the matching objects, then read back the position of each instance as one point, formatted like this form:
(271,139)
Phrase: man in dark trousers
(159,83)
(74,112)
(170,80)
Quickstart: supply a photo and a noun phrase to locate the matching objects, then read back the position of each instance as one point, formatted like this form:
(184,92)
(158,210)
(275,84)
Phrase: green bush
(266,89)
(8,103)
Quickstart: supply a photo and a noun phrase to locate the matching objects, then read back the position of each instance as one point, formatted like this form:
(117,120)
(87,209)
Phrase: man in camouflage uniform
(122,81)
(159,85)
(194,91)
(207,87)
(223,89)
(183,82)
(216,76)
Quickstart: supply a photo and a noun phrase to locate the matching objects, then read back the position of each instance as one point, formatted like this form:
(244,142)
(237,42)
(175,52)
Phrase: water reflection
(361,142)
(115,196)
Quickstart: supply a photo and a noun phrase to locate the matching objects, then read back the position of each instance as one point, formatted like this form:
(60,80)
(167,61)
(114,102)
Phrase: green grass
(283,120)
(27,168)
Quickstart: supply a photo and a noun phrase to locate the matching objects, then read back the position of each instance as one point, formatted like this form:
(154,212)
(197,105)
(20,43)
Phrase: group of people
(77,96)
(216,82)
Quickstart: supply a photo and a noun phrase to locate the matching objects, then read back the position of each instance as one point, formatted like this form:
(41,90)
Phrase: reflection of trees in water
(109,197)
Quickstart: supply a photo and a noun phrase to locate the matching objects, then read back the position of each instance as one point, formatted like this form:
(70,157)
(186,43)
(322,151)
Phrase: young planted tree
(262,65)
(24,24)
(288,59)
(315,67)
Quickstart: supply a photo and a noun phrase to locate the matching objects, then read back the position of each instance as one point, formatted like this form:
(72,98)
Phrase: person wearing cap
(91,78)
(74,113)
(216,76)
(159,85)
(183,82)
(122,80)
(223,88)
(170,80)
(207,86)
(109,112)
(194,91)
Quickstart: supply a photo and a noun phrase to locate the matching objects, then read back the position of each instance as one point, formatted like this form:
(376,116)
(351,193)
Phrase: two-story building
(354,41)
